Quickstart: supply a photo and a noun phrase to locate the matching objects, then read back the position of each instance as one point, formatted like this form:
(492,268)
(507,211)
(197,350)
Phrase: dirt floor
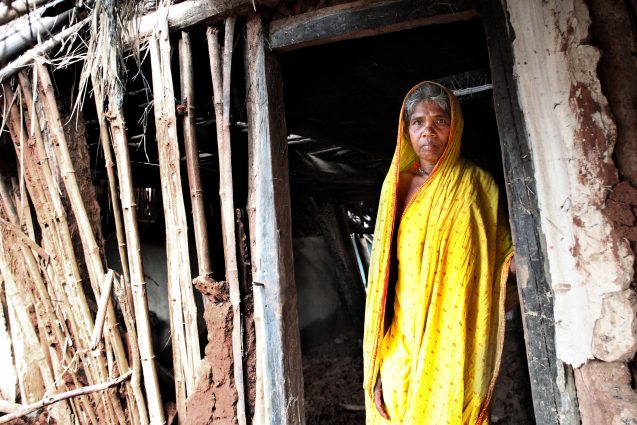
(333,374)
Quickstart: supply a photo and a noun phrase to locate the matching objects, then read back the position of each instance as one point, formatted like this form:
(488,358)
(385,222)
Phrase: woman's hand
(378,398)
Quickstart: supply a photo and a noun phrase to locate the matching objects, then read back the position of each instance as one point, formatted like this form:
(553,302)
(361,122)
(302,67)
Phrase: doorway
(342,101)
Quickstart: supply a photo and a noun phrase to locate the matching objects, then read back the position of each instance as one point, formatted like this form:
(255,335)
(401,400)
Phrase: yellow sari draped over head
(438,352)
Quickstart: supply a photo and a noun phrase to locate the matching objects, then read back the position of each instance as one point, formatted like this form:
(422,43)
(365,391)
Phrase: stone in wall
(605,394)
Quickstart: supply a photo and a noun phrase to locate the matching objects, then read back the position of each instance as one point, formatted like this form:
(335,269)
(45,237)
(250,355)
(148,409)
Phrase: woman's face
(429,128)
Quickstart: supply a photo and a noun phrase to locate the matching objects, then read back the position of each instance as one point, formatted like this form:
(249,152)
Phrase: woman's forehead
(429,107)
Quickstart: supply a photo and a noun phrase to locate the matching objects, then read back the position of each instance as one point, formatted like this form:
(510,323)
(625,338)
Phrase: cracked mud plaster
(572,137)
(614,334)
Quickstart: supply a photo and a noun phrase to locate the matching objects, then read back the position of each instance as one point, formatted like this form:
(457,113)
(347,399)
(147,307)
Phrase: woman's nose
(429,126)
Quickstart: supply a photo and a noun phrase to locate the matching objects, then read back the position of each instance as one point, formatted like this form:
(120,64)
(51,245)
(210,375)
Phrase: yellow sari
(439,352)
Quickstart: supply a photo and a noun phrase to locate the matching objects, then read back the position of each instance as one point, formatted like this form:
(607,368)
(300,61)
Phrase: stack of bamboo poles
(78,361)
(59,344)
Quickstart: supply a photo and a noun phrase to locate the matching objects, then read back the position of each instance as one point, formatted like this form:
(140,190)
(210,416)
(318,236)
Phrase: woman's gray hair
(427,92)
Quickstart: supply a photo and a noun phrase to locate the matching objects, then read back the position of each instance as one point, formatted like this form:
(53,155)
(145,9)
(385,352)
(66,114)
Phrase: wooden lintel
(361,19)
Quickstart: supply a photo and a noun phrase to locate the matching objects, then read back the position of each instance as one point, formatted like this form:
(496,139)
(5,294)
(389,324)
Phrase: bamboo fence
(79,335)
(49,316)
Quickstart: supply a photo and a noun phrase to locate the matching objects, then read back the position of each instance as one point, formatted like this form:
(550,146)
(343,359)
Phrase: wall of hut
(575,108)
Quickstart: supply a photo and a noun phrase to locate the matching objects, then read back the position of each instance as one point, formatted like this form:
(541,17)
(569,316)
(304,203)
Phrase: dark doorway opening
(342,102)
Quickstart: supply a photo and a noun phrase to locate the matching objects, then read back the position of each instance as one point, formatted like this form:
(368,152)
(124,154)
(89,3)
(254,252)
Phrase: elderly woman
(434,320)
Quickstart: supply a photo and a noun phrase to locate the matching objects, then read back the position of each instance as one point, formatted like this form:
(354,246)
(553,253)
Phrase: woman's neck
(426,168)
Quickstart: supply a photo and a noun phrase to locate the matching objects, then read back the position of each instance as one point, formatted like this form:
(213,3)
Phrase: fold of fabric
(439,353)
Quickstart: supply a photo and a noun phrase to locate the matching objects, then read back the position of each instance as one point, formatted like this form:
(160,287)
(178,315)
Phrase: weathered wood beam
(552,386)
(193,12)
(280,395)
(361,19)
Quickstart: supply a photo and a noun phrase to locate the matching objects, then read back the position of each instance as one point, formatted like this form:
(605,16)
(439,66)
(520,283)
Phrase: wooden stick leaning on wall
(141,414)
(107,147)
(220,73)
(192,155)
(183,311)
(102,308)
(123,294)
(56,238)
(89,244)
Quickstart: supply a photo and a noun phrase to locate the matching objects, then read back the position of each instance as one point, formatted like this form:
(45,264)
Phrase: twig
(63,396)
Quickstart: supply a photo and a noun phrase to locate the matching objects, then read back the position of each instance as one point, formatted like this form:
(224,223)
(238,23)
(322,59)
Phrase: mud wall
(584,157)
(614,32)
(573,135)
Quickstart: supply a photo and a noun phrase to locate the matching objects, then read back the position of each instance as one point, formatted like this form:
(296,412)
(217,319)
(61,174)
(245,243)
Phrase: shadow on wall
(320,309)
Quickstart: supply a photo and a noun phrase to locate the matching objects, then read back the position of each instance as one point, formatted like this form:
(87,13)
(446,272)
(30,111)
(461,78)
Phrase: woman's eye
(441,121)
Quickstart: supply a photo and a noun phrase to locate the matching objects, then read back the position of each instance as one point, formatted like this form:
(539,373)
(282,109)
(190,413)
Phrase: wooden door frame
(552,383)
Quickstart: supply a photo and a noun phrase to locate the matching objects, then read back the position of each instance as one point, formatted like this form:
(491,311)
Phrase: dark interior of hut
(342,102)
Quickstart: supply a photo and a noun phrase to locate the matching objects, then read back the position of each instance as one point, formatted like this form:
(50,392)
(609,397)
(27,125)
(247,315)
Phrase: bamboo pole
(47,319)
(137,283)
(107,67)
(105,139)
(102,308)
(220,73)
(175,305)
(8,406)
(63,396)
(186,351)
(140,414)
(192,156)
(124,298)
(90,247)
